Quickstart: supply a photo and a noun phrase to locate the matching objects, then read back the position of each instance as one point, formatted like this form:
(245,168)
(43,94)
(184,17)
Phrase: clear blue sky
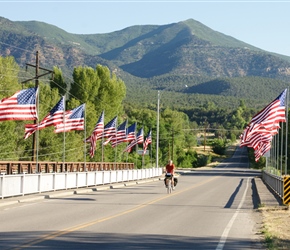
(264,24)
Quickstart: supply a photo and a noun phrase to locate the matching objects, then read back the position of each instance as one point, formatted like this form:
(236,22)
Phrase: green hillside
(189,62)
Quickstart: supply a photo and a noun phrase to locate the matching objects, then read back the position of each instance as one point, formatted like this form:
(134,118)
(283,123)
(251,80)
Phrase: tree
(12,146)
(111,92)
(58,81)
(9,71)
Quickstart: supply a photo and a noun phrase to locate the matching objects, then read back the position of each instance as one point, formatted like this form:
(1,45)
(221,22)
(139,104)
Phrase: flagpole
(151,154)
(85,146)
(63,154)
(115,152)
(37,131)
(102,156)
(286,139)
(157,133)
(281,150)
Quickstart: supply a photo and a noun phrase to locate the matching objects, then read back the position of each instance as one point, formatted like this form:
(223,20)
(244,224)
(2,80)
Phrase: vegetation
(276,227)
(207,82)
(102,90)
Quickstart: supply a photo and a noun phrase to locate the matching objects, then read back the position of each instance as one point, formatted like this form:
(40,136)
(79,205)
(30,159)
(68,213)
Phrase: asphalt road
(209,209)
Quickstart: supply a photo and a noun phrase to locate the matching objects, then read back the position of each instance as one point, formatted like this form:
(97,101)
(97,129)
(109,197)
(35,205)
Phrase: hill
(191,63)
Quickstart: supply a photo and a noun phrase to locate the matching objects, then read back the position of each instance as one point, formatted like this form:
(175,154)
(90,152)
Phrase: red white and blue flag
(73,120)
(139,140)
(131,133)
(54,117)
(96,134)
(120,135)
(264,125)
(147,141)
(110,128)
(20,106)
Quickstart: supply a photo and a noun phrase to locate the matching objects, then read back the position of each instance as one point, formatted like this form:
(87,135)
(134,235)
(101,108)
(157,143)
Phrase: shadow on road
(88,240)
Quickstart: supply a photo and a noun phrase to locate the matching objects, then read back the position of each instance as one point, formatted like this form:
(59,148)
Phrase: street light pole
(157,132)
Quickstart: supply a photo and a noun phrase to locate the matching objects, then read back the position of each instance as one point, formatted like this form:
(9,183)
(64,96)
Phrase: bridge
(209,209)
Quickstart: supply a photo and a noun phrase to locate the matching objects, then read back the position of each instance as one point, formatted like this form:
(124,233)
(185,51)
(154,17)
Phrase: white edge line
(225,234)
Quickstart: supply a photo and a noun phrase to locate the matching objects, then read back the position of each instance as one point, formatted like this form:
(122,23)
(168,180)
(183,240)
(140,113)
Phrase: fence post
(22,184)
(2,185)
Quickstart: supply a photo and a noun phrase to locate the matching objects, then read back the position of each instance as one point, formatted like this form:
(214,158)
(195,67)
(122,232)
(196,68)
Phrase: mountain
(150,57)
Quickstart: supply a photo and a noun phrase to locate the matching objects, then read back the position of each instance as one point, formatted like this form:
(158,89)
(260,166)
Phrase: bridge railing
(23,184)
(30,167)
(274,182)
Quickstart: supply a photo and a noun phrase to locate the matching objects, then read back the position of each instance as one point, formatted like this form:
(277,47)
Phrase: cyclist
(169,172)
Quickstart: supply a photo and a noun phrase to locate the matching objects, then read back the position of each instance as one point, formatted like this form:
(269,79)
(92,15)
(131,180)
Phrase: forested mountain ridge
(205,78)
(150,57)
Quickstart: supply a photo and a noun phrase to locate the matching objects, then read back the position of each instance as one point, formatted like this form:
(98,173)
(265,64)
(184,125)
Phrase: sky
(263,24)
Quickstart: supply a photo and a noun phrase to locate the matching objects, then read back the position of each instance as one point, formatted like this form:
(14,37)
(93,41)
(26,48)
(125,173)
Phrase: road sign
(140,152)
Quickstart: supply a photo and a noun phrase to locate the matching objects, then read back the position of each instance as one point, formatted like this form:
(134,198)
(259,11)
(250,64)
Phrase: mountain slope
(152,57)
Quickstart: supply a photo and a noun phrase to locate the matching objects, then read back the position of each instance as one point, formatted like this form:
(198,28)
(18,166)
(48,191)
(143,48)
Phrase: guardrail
(274,182)
(22,184)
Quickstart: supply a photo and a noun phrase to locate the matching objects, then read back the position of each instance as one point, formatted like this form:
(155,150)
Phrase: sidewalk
(266,196)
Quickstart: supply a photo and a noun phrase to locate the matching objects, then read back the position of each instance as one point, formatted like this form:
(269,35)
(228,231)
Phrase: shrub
(219,146)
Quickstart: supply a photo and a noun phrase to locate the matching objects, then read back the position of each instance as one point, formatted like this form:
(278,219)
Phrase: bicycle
(168,184)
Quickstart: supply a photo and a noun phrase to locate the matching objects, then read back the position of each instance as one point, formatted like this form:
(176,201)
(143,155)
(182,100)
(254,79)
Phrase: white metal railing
(275,182)
(22,184)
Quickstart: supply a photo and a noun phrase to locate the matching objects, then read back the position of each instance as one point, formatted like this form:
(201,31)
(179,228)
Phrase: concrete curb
(31,199)
(101,188)
(55,195)
(9,203)
(117,186)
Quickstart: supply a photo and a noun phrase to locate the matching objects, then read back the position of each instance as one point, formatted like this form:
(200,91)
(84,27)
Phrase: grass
(276,227)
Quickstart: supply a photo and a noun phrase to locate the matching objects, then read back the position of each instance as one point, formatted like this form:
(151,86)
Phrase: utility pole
(172,144)
(157,132)
(36,66)
(204,137)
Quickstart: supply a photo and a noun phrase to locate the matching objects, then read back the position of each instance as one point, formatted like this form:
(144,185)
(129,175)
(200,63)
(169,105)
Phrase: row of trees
(101,90)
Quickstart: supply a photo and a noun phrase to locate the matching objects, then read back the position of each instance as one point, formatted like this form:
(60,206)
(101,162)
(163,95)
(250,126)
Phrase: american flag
(139,140)
(264,125)
(110,128)
(54,117)
(120,135)
(262,150)
(73,120)
(130,133)
(147,141)
(96,134)
(20,106)
(271,115)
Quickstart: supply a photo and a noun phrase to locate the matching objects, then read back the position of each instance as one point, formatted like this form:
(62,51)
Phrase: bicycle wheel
(169,187)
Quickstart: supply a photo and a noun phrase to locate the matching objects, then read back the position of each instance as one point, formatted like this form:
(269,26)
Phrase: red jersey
(169,168)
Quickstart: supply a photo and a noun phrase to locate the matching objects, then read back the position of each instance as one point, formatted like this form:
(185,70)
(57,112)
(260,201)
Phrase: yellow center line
(88,224)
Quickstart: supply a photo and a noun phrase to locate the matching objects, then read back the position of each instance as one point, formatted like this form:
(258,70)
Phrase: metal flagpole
(281,150)
(286,137)
(116,132)
(151,153)
(102,160)
(63,120)
(37,131)
(157,134)
(85,146)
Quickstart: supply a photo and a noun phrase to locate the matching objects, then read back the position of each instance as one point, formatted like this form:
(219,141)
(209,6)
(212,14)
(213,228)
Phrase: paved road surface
(210,209)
